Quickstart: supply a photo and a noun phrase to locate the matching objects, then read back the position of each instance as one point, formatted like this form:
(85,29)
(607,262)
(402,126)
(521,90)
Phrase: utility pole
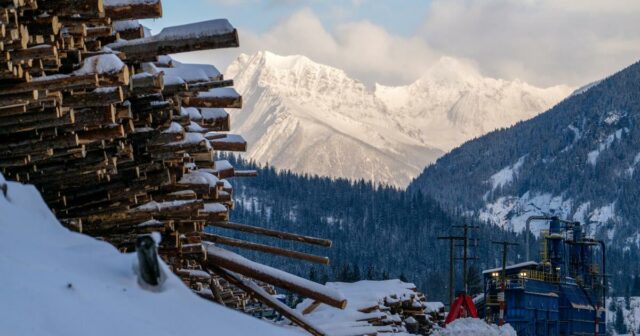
(451,239)
(465,255)
(503,277)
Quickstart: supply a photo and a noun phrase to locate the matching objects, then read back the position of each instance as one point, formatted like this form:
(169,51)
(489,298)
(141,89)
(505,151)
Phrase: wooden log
(264,248)
(218,257)
(272,233)
(134,10)
(40,52)
(73,7)
(54,83)
(98,97)
(213,34)
(261,295)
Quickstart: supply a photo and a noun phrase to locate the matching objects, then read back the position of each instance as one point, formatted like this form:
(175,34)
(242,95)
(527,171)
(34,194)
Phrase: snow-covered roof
(515,266)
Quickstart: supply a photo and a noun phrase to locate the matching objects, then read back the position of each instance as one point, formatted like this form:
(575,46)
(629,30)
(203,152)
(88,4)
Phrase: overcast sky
(543,42)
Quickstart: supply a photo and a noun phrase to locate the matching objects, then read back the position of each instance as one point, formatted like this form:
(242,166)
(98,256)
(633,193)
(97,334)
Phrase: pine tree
(620,326)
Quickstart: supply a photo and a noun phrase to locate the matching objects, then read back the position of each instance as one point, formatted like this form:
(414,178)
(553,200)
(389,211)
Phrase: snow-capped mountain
(579,161)
(313,118)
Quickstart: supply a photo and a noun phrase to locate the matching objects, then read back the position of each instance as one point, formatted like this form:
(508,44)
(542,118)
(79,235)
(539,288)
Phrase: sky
(542,42)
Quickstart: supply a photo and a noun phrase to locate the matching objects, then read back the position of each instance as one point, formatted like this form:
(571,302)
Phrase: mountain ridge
(315,119)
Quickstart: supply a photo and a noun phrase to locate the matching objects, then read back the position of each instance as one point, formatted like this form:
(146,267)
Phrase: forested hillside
(377,232)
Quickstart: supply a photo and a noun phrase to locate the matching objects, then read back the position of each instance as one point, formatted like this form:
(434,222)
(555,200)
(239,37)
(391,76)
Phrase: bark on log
(260,294)
(218,257)
(214,238)
(272,233)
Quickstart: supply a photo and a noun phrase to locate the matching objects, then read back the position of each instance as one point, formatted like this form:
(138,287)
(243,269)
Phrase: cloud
(543,42)
(364,50)
(540,41)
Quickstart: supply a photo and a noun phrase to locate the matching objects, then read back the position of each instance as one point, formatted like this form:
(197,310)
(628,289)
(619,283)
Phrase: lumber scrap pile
(121,140)
(375,307)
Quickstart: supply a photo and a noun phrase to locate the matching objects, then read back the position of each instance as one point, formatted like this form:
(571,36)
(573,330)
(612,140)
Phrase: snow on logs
(231,261)
(121,140)
(212,34)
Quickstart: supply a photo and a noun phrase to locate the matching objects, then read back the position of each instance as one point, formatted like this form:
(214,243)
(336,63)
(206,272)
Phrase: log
(261,295)
(53,84)
(214,238)
(213,34)
(133,10)
(218,257)
(73,7)
(272,233)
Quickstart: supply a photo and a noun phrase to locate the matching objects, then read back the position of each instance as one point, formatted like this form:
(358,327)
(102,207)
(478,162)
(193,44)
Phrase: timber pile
(376,307)
(121,140)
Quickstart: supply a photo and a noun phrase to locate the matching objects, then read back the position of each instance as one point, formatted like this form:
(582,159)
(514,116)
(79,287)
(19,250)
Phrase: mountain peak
(451,70)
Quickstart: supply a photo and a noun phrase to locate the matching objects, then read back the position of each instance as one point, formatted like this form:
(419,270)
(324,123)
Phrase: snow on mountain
(452,103)
(312,118)
(57,282)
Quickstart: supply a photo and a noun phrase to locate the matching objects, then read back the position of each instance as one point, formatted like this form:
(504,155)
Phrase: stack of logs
(121,140)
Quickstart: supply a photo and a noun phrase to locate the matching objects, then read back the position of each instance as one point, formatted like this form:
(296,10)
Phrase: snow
(336,126)
(192,112)
(275,273)
(125,25)
(159,206)
(592,157)
(199,177)
(57,282)
(100,64)
(474,327)
(631,316)
(214,208)
(190,138)
(230,138)
(506,174)
(515,266)
(187,31)
(359,295)
(224,92)
(213,113)
(174,127)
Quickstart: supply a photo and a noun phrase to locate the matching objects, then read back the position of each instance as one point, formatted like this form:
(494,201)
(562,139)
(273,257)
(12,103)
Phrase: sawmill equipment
(562,294)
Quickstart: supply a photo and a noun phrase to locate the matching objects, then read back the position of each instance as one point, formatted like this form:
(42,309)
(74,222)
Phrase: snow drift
(57,282)
(475,327)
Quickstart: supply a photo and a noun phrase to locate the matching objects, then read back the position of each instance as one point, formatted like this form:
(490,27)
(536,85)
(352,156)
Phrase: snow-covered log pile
(58,282)
(121,140)
(375,307)
(474,327)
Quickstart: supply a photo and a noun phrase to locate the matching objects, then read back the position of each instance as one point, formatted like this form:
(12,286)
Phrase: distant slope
(312,118)
(578,160)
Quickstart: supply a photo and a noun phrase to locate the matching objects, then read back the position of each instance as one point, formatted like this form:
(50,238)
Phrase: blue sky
(402,17)
(541,42)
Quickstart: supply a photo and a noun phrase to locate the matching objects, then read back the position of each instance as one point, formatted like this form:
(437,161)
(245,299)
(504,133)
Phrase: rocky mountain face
(312,118)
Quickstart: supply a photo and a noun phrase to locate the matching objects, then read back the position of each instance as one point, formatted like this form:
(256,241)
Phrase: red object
(462,307)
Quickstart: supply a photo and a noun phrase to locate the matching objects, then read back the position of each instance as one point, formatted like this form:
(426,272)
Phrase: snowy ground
(474,327)
(56,282)
(631,316)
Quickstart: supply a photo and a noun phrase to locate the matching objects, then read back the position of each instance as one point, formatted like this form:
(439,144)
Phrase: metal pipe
(528,231)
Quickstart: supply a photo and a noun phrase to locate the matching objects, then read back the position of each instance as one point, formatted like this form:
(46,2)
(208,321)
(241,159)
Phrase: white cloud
(544,42)
(540,41)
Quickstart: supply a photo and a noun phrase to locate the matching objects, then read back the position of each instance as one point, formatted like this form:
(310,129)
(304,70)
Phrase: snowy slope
(631,316)
(312,118)
(56,282)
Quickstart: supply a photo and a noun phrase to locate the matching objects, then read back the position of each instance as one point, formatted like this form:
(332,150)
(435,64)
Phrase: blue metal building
(562,294)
